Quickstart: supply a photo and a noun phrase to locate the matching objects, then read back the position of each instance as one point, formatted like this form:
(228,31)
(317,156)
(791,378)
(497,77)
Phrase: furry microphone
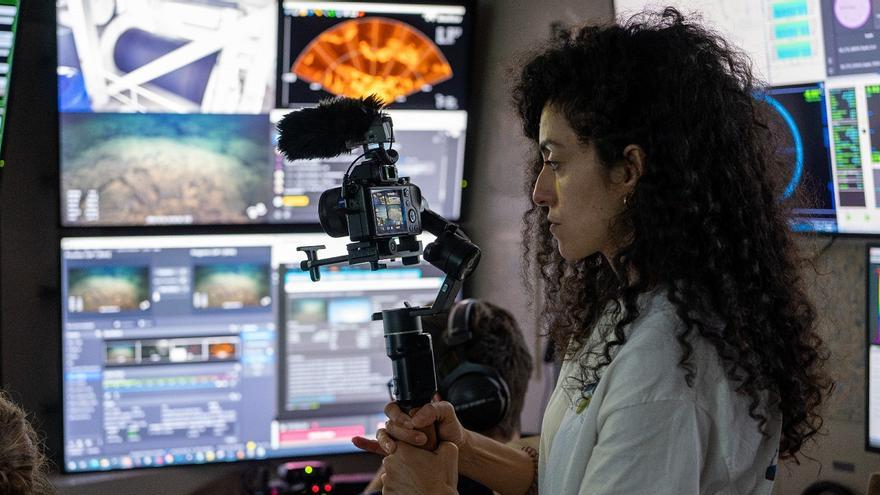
(332,128)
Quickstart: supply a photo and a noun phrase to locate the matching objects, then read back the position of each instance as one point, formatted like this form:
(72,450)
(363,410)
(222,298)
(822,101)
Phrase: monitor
(8,26)
(821,63)
(415,57)
(217,348)
(872,365)
(167,107)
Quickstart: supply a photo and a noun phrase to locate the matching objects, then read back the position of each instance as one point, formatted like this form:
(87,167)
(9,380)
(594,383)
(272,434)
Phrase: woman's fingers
(368,445)
(386,441)
(400,426)
(429,414)
(405,434)
(435,412)
(395,414)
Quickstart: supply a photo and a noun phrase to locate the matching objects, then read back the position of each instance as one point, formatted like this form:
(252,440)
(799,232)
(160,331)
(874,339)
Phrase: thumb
(434,412)
(426,415)
(447,449)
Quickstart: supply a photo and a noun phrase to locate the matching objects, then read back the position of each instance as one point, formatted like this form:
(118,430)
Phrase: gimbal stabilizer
(410,350)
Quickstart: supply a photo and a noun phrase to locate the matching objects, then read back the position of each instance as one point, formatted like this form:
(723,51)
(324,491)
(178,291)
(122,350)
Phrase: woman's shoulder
(648,367)
(660,326)
(657,327)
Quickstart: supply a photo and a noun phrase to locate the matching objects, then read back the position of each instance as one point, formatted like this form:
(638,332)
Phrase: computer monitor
(167,107)
(414,56)
(799,119)
(8,26)
(164,111)
(872,354)
(216,348)
(820,61)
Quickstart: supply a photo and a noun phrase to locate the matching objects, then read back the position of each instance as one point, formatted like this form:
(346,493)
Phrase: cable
(352,165)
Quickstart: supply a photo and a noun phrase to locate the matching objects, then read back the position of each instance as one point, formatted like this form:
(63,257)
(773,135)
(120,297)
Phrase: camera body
(371,209)
(373,202)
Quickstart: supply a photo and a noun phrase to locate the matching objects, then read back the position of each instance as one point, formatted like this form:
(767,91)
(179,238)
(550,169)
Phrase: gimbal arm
(453,253)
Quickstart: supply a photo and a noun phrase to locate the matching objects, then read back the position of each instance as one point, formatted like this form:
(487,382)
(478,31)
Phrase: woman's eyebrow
(547,143)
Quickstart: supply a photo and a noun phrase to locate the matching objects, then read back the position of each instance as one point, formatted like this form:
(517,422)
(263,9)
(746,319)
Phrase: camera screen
(388,211)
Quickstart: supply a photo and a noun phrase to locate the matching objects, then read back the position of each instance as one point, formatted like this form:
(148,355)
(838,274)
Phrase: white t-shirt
(645,431)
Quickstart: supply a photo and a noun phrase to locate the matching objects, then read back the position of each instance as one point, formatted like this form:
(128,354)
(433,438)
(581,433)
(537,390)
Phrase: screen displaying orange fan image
(413,56)
(374,55)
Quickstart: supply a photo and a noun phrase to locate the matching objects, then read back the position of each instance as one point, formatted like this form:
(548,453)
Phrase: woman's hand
(403,428)
(414,471)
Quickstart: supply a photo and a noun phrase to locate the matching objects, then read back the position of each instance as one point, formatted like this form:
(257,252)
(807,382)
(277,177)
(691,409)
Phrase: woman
(671,280)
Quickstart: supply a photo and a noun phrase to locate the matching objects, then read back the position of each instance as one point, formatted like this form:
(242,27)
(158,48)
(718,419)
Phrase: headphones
(826,488)
(479,394)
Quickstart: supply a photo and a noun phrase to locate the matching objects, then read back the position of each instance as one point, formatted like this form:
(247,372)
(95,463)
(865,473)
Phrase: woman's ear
(633,165)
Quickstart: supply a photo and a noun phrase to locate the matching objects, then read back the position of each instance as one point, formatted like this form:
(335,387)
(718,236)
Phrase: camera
(383,214)
(377,209)
(373,201)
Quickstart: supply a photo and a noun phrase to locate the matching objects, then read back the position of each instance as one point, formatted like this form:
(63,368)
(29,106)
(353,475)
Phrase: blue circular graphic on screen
(798,144)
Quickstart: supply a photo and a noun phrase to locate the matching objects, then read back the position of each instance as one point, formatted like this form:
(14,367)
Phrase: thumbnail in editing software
(199,349)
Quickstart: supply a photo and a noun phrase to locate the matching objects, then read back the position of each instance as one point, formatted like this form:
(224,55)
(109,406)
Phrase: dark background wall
(29,266)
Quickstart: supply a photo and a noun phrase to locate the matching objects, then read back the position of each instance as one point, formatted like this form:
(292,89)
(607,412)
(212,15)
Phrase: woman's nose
(542,194)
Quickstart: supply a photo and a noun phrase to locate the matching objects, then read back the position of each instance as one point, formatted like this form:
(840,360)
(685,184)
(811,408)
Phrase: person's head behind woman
(679,186)
(22,463)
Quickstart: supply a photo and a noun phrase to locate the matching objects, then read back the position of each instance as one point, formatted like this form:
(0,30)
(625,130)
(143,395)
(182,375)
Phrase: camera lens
(331,214)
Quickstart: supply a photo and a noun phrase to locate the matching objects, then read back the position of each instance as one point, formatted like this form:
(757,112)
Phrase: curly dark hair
(705,219)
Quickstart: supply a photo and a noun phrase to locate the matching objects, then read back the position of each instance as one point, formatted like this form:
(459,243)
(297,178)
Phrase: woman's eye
(553,165)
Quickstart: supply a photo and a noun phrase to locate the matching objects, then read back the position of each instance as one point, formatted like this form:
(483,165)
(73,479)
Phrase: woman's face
(579,192)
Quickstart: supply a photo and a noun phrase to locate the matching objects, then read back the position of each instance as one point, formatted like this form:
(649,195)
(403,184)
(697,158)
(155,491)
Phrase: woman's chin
(568,255)
(573,255)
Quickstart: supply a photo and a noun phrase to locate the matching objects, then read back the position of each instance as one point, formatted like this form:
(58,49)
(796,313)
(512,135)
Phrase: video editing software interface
(168,107)
(217,348)
(821,59)
(872,425)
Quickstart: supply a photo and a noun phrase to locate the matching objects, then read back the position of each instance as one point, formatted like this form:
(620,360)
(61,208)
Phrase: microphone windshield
(329,129)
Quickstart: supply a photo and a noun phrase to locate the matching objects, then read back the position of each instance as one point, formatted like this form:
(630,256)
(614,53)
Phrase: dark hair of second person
(497,342)
(22,463)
